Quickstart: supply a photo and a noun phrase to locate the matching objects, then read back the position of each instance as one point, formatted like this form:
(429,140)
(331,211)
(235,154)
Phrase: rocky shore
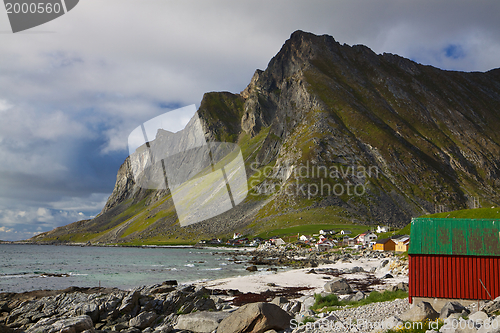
(169,307)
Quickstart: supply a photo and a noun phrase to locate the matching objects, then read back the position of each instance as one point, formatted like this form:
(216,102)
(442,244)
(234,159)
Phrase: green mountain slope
(330,134)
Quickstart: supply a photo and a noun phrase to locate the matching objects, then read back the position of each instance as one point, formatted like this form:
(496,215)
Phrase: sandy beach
(266,280)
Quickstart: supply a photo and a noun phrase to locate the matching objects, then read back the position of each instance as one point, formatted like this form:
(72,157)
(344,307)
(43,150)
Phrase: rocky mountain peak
(431,135)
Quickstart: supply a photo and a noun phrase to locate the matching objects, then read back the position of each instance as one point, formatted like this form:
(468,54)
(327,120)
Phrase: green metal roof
(474,237)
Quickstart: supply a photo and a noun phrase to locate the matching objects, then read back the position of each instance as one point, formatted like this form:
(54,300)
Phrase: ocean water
(22,267)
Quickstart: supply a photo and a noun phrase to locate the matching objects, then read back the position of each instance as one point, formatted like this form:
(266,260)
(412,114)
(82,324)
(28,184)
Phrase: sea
(37,267)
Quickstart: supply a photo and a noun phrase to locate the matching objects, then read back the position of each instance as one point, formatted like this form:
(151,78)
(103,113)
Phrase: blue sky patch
(454,51)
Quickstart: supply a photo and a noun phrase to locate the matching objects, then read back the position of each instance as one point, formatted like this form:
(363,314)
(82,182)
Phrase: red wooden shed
(454,258)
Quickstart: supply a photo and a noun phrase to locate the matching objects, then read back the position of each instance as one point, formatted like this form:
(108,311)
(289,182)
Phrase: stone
(358,296)
(129,301)
(420,312)
(403,286)
(478,317)
(387,276)
(492,306)
(90,309)
(201,322)
(119,327)
(163,289)
(131,330)
(255,318)
(307,302)
(76,324)
(164,329)
(450,308)
(338,286)
(169,283)
(491,326)
(143,320)
(389,323)
(252,269)
(279,300)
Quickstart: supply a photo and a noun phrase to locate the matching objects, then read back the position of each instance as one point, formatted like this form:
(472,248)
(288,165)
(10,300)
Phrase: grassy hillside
(477,213)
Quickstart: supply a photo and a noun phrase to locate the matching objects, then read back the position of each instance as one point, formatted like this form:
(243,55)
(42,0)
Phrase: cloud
(69,99)
(4,229)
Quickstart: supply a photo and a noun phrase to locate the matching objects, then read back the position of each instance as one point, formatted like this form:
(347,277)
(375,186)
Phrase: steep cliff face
(402,137)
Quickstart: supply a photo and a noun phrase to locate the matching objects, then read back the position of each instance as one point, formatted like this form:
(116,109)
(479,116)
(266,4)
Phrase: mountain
(380,138)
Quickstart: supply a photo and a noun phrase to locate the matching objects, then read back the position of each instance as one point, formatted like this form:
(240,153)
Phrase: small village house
(365,238)
(345,232)
(386,244)
(304,238)
(277,241)
(324,245)
(454,259)
(381,229)
(402,244)
(237,235)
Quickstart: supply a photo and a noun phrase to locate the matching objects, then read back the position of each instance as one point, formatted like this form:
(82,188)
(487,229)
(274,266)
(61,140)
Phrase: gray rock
(492,306)
(279,300)
(403,286)
(307,302)
(90,309)
(164,329)
(69,325)
(358,296)
(338,286)
(143,320)
(491,326)
(119,327)
(420,312)
(450,308)
(131,330)
(130,301)
(200,322)
(389,323)
(255,317)
(478,317)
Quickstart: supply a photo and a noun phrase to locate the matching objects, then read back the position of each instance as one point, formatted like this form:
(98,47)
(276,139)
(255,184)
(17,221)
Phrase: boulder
(392,323)
(129,301)
(338,286)
(279,300)
(450,308)
(255,318)
(403,286)
(163,289)
(478,317)
(252,268)
(201,322)
(69,325)
(90,309)
(491,326)
(143,320)
(492,306)
(358,296)
(420,312)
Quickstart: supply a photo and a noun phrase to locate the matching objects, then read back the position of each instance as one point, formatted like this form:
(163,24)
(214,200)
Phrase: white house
(367,237)
(345,232)
(382,229)
(304,238)
(237,235)
(324,246)
(278,241)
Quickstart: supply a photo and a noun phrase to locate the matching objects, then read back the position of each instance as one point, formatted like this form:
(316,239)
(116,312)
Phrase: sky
(73,89)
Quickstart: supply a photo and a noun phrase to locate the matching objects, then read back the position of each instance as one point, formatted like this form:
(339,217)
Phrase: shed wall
(454,276)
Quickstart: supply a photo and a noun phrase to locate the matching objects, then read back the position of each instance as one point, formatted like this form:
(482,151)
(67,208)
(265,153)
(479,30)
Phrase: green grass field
(477,213)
